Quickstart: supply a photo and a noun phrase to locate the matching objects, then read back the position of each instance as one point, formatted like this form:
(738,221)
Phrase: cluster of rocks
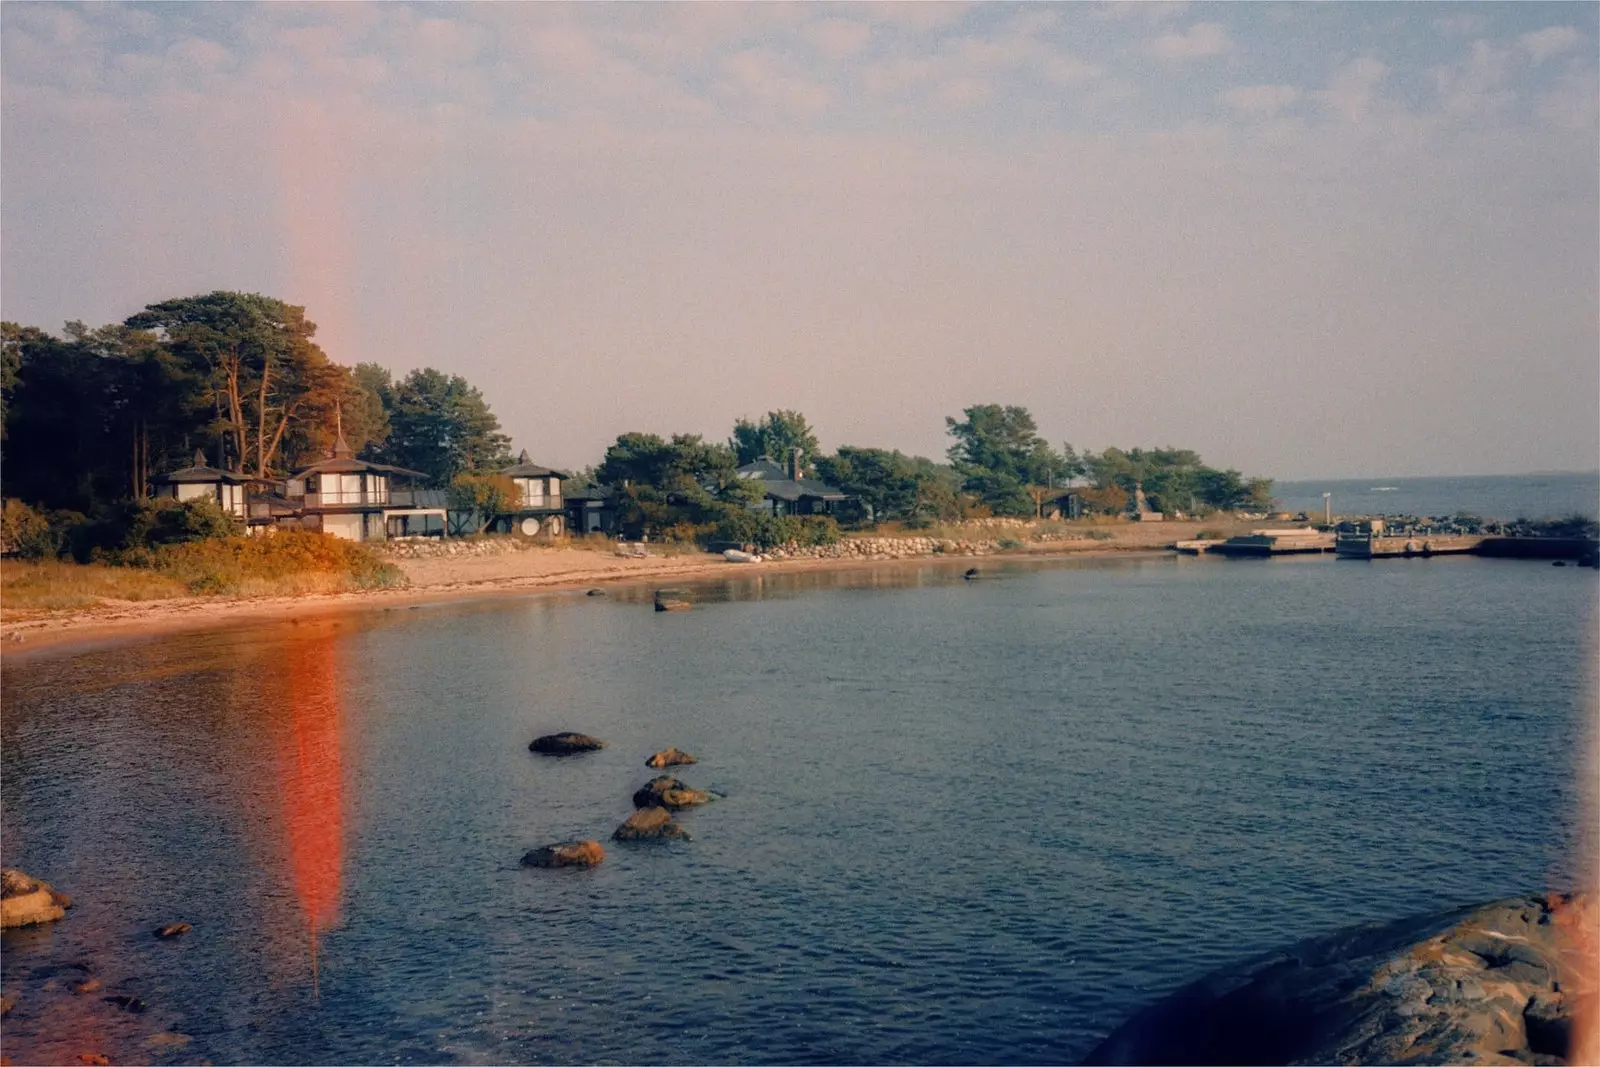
(26,901)
(1499,983)
(435,548)
(654,802)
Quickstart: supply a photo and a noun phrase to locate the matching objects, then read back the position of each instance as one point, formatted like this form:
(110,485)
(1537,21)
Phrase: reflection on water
(311,779)
(961,821)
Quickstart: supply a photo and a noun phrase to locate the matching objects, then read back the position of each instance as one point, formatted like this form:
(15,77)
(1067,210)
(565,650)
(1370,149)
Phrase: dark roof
(200,472)
(351,465)
(593,492)
(794,489)
(764,469)
(524,469)
(777,483)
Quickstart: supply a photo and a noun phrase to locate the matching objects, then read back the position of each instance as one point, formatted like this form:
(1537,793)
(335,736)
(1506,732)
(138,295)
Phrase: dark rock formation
(649,824)
(173,930)
(670,757)
(595,592)
(565,744)
(1498,983)
(668,792)
(127,1003)
(971,574)
(672,600)
(25,901)
(566,854)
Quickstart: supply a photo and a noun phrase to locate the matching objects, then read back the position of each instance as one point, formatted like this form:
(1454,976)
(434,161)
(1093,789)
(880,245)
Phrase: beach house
(203,482)
(353,499)
(540,508)
(785,492)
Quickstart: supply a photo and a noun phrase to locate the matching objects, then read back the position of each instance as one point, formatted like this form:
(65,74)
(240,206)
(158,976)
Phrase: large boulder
(667,792)
(649,824)
(565,743)
(25,901)
(670,757)
(1497,983)
(566,854)
(672,600)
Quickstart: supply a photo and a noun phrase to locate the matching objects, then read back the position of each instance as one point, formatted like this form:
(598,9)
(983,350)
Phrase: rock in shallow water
(566,854)
(649,824)
(1497,983)
(670,757)
(565,743)
(667,792)
(25,901)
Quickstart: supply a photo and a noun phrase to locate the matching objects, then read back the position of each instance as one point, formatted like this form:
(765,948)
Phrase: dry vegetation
(285,564)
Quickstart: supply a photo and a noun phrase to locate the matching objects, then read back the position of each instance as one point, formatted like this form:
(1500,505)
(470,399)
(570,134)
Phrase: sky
(1307,240)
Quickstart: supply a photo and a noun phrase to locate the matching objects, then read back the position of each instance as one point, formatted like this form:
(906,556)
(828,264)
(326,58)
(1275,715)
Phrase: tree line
(91,415)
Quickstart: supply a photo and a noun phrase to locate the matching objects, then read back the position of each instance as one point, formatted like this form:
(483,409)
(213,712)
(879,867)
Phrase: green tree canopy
(256,356)
(892,485)
(440,425)
(776,436)
(998,453)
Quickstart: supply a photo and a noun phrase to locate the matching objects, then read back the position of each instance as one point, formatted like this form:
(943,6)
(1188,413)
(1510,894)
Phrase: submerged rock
(1497,983)
(670,757)
(566,854)
(565,743)
(173,930)
(649,824)
(127,1002)
(667,792)
(672,600)
(25,901)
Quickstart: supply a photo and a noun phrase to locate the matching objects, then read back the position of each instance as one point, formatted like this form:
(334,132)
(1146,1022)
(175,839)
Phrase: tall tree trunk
(261,421)
(277,436)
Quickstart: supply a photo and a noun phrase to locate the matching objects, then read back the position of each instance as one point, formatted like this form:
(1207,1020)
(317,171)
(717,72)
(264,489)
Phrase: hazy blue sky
(1306,240)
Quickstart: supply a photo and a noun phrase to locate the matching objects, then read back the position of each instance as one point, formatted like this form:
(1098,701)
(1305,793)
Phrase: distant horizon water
(1494,496)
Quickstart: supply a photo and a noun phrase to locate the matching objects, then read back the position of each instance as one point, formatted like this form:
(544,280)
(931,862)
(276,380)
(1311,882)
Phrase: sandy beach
(523,573)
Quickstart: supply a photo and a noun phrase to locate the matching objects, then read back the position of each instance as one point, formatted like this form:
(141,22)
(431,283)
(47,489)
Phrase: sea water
(961,821)
(1503,497)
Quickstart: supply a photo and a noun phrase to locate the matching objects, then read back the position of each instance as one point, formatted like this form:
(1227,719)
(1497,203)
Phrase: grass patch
(289,563)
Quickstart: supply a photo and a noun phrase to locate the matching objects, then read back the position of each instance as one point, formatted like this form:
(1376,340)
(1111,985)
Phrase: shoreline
(131,620)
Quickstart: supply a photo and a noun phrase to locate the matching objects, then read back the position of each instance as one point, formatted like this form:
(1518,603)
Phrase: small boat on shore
(734,555)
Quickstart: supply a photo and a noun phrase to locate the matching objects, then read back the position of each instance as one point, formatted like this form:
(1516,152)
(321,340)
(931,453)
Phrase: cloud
(1353,89)
(1151,12)
(1542,44)
(1065,70)
(1472,88)
(837,38)
(1260,101)
(1202,39)
(1462,25)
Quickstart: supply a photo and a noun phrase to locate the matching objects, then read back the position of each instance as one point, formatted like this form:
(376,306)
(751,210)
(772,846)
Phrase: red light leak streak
(311,775)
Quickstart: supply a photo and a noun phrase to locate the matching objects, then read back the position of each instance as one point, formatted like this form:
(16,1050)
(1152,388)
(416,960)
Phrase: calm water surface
(964,821)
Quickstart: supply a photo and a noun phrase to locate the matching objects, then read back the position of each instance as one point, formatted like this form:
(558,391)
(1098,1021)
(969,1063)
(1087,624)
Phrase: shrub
(768,531)
(1009,544)
(137,526)
(27,533)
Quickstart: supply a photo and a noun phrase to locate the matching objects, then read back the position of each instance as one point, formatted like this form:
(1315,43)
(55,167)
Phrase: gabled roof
(524,469)
(200,472)
(764,469)
(593,492)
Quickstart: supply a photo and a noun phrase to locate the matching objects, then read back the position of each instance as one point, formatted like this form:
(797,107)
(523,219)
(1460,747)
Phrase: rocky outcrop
(649,824)
(667,792)
(1498,983)
(566,854)
(565,743)
(25,901)
(670,757)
